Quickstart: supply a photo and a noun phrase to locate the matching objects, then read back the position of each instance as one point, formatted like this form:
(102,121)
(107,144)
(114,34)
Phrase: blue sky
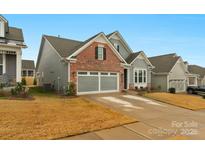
(154,34)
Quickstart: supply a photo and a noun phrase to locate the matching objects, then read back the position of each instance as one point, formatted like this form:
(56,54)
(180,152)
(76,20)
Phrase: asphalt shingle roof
(28,64)
(164,63)
(15,34)
(131,57)
(66,47)
(195,69)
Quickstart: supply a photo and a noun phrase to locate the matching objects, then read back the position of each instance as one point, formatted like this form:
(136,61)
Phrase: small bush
(20,91)
(71,89)
(2,85)
(203,96)
(34,81)
(23,81)
(172,90)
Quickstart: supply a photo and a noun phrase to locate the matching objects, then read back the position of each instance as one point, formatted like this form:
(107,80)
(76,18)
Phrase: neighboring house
(99,64)
(11,44)
(169,72)
(28,71)
(200,71)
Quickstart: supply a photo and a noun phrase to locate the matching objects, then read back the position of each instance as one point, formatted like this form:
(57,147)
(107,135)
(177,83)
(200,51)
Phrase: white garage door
(179,85)
(97,82)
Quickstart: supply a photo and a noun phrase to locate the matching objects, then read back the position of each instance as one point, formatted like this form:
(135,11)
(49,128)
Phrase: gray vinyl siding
(11,67)
(141,64)
(53,67)
(123,51)
(159,81)
(177,72)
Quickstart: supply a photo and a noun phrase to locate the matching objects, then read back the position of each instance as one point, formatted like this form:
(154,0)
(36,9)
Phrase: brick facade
(86,62)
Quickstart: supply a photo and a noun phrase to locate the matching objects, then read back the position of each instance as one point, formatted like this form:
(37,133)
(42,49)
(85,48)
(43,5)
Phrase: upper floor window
(117,47)
(1,64)
(100,53)
(1,29)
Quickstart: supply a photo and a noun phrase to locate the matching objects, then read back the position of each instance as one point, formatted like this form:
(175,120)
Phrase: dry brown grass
(53,117)
(192,102)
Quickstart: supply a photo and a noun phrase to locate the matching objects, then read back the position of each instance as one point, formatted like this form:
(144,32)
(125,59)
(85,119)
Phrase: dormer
(3,26)
(120,44)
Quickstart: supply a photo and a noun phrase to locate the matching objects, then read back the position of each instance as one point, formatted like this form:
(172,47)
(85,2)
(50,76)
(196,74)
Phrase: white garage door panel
(108,83)
(88,83)
(97,82)
(179,85)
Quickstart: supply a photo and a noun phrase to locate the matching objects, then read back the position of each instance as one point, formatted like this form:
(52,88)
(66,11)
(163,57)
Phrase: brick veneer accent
(86,62)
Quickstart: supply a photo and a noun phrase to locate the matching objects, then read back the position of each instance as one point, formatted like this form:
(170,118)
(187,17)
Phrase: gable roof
(15,34)
(109,36)
(164,63)
(65,47)
(132,57)
(28,64)
(195,69)
(12,33)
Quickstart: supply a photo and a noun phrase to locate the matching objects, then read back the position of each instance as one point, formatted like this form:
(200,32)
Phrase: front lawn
(54,117)
(192,102)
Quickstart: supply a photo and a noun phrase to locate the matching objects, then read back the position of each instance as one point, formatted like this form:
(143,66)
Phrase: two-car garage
(97,82)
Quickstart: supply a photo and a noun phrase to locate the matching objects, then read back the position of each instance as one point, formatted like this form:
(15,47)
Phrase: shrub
(203,96)
(34,81)
(71,89)
(23,81)
(20,91)
(172,90)
(2,85)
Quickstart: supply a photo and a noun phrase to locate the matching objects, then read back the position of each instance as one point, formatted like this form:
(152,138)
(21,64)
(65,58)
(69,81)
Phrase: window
(24,73)
(117,47)
(93,73)
(140,76)
(82,73)
(136,76)
(145,76)
(30,72)
(104,73)
(100,53)
(1,64)
(113,74)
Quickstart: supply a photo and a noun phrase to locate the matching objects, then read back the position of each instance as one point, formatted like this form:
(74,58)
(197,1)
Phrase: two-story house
(11,45)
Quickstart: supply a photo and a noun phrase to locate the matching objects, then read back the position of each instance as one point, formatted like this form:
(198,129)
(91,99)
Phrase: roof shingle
(164,63)
(132,57)
(28,64)
(195,69)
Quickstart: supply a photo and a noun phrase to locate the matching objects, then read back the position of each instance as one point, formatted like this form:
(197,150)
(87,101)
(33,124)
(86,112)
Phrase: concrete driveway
(157,120)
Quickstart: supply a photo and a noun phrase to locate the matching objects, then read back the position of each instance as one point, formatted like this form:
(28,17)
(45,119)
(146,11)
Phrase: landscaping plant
(71,90)
(23,81)
(172,90)
(34,81)
(20,91)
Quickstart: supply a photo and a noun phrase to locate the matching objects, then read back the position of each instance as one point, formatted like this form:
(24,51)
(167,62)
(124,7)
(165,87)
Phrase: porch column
(18,66)
(4,63)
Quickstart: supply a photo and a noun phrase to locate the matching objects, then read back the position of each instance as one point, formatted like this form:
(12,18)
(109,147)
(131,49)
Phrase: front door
(125,78)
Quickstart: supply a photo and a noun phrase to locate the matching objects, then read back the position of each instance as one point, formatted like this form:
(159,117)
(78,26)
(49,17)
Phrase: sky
(153,34)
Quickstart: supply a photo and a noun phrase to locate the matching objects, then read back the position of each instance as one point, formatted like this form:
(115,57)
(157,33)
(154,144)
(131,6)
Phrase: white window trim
(3,63)
(196,82)
(142,84)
